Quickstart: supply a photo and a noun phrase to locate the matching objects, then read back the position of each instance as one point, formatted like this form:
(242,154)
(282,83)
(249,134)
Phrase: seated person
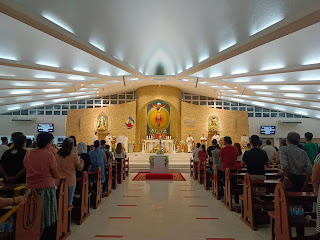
(11,164)
(255,159)
(83,154)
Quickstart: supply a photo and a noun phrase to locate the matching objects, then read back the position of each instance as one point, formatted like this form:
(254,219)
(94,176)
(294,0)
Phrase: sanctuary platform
(178,162)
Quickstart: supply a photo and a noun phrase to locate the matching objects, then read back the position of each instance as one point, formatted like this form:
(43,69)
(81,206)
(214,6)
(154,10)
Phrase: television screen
(268,130)
(45,127)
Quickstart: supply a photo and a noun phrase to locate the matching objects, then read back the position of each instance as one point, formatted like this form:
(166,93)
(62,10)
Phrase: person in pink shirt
(68,162)
(41,168)
(203,156)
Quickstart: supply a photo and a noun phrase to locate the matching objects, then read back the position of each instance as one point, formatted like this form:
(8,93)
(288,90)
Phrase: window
(234,104)
(274,115)
(40,112)
(282,115)
(16,113)
(121,101)
(82,106)
(250,114)
(226,108)
(242,109)
(73,107)
(65,106)
(234,108)
(289,115)
(113,96)
(203,103)
(49,107)
(97,101)
(187,97)
(82,102)
(89,101)
(57,107)
(56,112)
(257,109)
(129,96)
(266,115)
(32,112)
(122,96)
(258,115)
(219,103)
(250,109)
(64,113)
(113,101)
(226,104)
(195,97)
(266,110)
(24,112)
(203,98)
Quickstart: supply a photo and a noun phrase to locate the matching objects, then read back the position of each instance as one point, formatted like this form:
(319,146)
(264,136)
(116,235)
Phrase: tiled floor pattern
(164,210)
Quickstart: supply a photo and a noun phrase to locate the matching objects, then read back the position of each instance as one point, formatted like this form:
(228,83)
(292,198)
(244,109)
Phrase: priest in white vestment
(190,143)
(203,140)
(95,137)
(108,139)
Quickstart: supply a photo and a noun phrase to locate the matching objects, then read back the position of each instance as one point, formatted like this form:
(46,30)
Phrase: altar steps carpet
(146,176)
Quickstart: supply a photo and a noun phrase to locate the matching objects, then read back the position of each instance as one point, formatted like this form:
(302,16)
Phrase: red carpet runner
(145,176)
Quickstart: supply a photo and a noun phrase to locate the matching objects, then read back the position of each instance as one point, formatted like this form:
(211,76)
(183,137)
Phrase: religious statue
(102,122)
(213,123)
(158,106)
(190,143)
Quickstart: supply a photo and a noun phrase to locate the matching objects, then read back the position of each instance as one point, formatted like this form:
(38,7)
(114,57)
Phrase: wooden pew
(201,167)
(124,169)
(64,211)
(97,189)
(207,178)
(114,175)
(191,167)
(234,186)
(252,202)
(217,189)
(267,170)
(81,205)
(195,170)
(108,181)
(126,164)
(281,222)
(120,173)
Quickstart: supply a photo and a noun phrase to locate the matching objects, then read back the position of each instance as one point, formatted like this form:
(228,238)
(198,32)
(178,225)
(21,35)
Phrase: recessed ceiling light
(46,76)
(242,80)
(36,104)
(13,108)
(76,78)
(294,95)
(9,57)
(60,100)
(81,69)
(203,83)
(301,113)
(53,90)
(273,80)
(290,88)
(272,66)
(20,91)
(258,87)
(114,81)
(267,99)
(49,64)
(57,21)
(311,61)
(259,26)
(184,80)
(227,44)
(264,93)
(22,84)
(7,75)
(306,79)
(239,71)
(212,75)
(293,103)
(98,44)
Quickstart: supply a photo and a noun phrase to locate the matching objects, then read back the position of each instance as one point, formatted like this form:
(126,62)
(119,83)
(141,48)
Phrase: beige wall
(170,95)
(232,123)
(82,123)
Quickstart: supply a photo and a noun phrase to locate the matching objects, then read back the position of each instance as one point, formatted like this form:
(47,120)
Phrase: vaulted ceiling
(263,53)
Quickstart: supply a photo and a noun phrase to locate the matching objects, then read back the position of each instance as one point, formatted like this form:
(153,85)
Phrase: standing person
(203,140)
(209,149)
(104,150)
(68,162)
(228,155)
(196,156)
(283,143)
(190,143)
(316,183)
(108,139)
(310,147)
(270,150)
(255,160)
(82,151)
(119,153)
(216,136)
(97,160)
(11,164)
(3,146)
(74,149)
(203,156)
(41,167)
(238,146)
(294,161)
(215,156)
(109,155)
(95,137)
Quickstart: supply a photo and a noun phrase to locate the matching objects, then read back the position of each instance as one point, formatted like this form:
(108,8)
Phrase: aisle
(163,211)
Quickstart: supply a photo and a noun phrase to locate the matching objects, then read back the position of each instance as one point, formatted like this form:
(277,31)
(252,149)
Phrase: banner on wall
(158,119)
(189,124)
(129,123)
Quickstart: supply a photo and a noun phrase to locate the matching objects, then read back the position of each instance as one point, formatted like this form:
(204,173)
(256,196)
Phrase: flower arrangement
(166,160)
(182,146)
(151,160)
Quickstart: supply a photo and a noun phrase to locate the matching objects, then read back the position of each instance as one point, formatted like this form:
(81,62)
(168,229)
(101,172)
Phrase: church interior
(160,119)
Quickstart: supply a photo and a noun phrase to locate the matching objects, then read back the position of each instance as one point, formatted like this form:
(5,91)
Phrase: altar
(149,145)
(159,164)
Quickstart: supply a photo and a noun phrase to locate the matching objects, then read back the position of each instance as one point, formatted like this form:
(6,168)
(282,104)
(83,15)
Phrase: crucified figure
(158,106)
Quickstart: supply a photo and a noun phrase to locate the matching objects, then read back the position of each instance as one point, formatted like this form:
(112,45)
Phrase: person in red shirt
(228,156)
(203,155)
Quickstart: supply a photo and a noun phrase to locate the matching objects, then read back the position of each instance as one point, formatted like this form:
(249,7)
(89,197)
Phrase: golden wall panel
(82,123)
(148,94)
(232,123)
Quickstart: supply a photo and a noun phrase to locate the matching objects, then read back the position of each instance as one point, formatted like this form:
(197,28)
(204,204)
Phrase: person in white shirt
(203,140)
(190,143)
(95,137)
(216,136)
(3,146)
(270,150)
(108,139)
(196,153)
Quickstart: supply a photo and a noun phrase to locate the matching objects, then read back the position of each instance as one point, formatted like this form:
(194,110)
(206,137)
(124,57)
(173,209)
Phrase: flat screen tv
(45,127)
(268,130)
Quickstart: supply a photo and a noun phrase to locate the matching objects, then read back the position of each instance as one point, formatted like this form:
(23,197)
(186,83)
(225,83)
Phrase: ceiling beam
(281,29)
(35,20)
